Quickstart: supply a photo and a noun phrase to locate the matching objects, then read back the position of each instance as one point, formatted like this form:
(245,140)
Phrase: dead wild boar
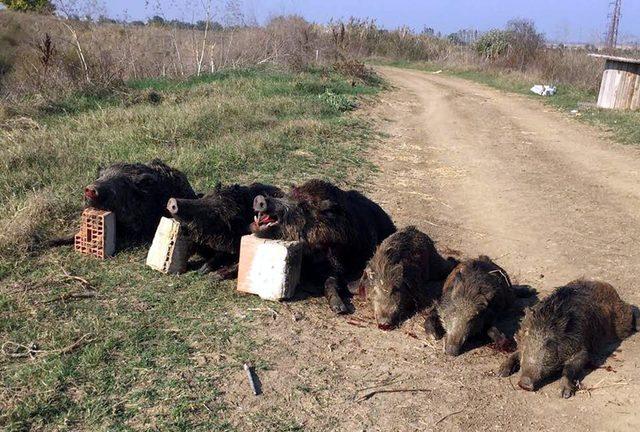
(216,222)
(340,229)
(475,294)
(566,331)
(137,194)
(396,278)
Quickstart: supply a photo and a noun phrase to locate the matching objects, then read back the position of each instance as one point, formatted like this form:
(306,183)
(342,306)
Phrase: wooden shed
(620,87)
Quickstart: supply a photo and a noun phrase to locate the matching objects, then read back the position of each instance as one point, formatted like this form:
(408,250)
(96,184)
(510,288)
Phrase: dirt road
(482,172)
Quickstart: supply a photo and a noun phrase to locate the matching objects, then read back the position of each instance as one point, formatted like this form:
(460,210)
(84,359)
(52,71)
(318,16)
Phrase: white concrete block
(170,249)
(269,268)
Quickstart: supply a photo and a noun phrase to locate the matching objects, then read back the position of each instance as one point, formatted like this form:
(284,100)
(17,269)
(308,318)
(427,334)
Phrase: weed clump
(338,102)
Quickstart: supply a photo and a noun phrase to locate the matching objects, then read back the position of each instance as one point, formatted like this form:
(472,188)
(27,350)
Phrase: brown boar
(566,331)
(474,296)
(216,222)
(340,230)
(396,278)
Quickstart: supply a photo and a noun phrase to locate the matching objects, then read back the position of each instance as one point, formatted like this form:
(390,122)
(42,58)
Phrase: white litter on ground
(544,90)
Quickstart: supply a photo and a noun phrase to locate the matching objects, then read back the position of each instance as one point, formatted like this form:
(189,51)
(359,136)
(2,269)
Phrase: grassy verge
(148,351)
(623,125)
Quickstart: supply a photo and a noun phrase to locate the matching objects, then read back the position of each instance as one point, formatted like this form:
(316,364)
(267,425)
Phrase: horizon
(571,21)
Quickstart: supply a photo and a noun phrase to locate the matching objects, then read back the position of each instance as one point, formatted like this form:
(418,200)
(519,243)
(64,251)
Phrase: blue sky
(563,20)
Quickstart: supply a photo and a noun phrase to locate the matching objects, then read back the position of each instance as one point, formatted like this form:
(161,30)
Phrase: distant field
(131,357)
(623,125)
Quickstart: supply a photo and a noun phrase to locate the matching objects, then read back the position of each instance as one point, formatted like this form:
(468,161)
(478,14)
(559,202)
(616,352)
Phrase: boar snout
(259,204)
(453,346)
(385,323)
(172,206)
(526,383)
(91,192)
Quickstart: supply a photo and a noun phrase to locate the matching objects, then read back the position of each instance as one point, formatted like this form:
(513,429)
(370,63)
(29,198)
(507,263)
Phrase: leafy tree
(41,6)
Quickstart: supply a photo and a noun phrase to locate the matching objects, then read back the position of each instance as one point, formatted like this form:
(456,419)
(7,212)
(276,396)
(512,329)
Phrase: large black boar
(396,278)
(216,222)
(566,330)
(341,230)
(137,194)
(476,293)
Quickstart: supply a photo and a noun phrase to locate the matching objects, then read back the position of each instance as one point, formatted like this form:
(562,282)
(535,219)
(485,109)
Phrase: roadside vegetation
(144,350)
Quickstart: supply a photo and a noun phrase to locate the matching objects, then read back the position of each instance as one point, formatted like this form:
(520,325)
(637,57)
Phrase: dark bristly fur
(476,293)
(216,222)
(138,194)
(341,230)
(396,278)
(566,331)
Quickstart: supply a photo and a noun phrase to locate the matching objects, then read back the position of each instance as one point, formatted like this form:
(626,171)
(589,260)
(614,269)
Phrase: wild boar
(137,194)
(340,230)
(475,294)
(396,278)
(565,331)
(216,222)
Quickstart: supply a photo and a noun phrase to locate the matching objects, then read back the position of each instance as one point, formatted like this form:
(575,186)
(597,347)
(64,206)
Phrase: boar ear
(396,272)
(457,279)
(99,170)
(218,187)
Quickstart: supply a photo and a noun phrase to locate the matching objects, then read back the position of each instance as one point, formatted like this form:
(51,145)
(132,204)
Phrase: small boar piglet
(567,332)
(396,279)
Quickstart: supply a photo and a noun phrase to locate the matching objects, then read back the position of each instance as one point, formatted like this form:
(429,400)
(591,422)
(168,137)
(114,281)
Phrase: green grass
(623,125)
(156,348)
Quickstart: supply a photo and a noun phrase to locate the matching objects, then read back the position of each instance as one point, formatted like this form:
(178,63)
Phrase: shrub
(357,70)
(493,44)
(338,102)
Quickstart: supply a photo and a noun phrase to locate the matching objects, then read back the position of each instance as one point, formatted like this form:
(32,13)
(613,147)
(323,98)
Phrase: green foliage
(339,102)
(40,6)
(493,44)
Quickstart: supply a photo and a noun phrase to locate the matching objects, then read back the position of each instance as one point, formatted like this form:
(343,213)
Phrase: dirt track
(482,172)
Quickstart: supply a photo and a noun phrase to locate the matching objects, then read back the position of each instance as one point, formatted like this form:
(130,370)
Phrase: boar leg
(226,272)
(331,285)
(432,324)
(571,373)
(510,365)
(333,297)
(213,262)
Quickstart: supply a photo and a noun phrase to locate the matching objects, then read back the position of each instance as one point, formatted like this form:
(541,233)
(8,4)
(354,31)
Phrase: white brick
(269,268)
(170,249)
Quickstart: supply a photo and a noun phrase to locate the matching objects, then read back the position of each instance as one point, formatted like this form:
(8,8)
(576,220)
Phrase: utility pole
(615,7)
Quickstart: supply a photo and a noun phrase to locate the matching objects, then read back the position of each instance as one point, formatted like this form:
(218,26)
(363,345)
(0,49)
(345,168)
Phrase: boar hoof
(338,306)
(205,269)
(567,390)
(505,371)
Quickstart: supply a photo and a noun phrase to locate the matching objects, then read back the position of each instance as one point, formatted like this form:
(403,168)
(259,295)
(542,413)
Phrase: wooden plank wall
(620,87)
